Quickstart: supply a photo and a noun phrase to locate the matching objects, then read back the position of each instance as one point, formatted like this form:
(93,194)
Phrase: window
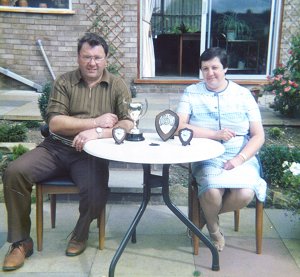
(34,5)
(175,32)
(176,37)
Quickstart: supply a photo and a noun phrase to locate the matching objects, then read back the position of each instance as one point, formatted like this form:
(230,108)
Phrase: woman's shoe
(218,240)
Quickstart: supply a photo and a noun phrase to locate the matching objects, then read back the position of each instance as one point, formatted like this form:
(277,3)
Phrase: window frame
(38,10)
(274,53)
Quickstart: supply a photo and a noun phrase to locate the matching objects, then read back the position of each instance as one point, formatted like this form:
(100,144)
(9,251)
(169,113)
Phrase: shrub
(291,179)
(285,83)
(272,158)
(31,124)
(6,159)
(12,132)
(275,133)
(18,151)
(281,166)
(44,99)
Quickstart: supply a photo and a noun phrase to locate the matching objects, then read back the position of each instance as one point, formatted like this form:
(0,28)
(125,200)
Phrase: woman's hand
(236,161)
(225,134)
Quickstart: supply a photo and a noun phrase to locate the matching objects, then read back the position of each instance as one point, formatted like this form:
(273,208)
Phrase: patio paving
(163,248)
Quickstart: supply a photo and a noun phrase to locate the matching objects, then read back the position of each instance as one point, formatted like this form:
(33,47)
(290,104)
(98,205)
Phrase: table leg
(131,231)
(186,221)
(152,181)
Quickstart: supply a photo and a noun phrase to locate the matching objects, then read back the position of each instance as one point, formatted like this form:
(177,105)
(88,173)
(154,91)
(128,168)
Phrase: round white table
(153,150)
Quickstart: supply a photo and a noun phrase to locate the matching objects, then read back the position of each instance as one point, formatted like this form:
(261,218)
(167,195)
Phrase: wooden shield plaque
(185,136)
(166,124)
(119,134)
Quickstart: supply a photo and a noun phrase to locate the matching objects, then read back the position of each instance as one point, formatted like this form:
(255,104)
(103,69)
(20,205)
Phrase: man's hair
(214,52)
(93,40)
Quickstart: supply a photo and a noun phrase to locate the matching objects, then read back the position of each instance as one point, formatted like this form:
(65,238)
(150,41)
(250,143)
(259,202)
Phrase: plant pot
(23,3)
(241,65)
(4,3)
(231,35)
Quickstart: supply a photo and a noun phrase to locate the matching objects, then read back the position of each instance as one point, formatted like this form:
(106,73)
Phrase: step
(128,181)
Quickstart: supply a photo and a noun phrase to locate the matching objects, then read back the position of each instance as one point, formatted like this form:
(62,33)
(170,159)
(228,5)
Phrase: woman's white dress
(232,108)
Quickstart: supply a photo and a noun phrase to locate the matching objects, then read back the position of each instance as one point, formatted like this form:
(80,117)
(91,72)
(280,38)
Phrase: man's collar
(77,77)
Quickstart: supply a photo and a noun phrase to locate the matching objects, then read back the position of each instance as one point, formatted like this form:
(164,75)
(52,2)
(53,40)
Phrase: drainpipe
(39,43)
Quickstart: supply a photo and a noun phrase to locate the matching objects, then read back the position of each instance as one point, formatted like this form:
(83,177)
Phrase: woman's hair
(214,52)
(93,40)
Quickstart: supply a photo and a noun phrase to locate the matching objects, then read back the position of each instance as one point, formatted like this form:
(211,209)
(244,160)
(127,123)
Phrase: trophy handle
(146,108)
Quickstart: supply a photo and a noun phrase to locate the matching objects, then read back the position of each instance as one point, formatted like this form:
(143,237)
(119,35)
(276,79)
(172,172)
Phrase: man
(85,104)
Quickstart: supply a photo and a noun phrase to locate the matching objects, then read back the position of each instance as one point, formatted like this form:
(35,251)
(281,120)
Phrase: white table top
(168,152)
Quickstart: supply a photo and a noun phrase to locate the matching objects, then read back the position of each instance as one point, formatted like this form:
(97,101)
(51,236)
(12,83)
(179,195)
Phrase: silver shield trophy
(136,110)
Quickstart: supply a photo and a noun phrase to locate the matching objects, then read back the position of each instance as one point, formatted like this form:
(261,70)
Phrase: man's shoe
(17,253)
(75,247)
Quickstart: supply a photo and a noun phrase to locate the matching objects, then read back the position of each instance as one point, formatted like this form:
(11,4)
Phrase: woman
(221,110)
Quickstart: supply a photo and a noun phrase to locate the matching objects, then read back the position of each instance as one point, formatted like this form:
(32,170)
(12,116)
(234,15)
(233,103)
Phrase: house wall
(290,27)
(59,33)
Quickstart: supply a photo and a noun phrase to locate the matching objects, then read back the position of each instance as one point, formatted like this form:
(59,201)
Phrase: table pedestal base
(154,181)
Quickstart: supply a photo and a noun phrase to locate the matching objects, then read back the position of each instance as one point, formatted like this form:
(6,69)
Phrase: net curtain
(148,59)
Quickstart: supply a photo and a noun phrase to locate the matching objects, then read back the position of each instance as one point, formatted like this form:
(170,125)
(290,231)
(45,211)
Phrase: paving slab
(163,246)
(23,105)
(161,255)
(19,105)
(239,259)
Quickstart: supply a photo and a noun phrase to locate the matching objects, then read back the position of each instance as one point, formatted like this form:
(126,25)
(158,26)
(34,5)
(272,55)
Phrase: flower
(284,83)
(285,164)
(291,175)
(291,179)
(295,168)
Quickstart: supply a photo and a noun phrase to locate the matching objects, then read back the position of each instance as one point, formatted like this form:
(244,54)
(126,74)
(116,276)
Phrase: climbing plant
(107,20)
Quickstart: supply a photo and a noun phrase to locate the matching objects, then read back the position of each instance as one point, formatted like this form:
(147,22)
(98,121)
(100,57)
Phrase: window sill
(167,80)
(188,81)
(36,10)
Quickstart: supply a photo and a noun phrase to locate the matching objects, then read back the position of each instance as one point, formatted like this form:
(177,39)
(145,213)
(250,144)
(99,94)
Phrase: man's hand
(107,120)
(83,137)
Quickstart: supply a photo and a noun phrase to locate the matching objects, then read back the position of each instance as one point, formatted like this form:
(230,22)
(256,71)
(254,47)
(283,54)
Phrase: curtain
(148,59)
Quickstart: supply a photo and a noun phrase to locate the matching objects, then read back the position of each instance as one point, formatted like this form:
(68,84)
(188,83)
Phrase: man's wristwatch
(99,131)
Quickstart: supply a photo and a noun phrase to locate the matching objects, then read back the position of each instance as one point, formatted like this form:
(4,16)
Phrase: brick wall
(59,34)
(290,26)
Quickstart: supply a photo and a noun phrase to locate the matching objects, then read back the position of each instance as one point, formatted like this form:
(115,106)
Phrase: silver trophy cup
(136,110)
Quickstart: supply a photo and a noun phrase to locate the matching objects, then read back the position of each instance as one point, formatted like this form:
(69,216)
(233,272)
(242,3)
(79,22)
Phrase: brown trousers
(50,159)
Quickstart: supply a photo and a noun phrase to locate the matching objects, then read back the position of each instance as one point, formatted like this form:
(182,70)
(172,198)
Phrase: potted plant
(256,92)
(233,27)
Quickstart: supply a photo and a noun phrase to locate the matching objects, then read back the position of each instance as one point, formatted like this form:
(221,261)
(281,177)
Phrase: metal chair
(194,216)
(53,187)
